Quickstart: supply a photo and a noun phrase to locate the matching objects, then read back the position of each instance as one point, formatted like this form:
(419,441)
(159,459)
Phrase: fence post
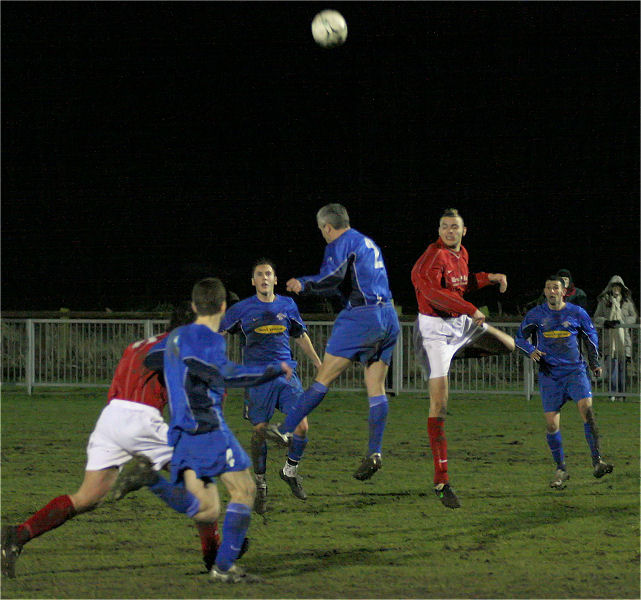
(31,357)
(528,375)
(148,328)
(397,365)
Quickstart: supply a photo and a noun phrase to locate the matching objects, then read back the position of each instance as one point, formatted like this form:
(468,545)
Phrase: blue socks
(378,409)
(306,404)
(176,496)
(555,442)
(235,528)
(297,448)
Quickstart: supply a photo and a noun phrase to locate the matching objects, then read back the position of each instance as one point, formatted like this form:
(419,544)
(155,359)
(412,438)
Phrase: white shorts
(437,340)
(125,428)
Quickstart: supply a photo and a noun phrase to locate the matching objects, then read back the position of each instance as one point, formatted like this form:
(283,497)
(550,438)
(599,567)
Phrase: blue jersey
(196,373)
(354,255)
(266,328)
(557,334)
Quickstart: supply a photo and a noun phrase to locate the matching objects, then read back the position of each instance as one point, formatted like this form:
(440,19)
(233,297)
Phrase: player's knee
(207,514)
(438,407)
(588,414)
(258,435)
(302,428)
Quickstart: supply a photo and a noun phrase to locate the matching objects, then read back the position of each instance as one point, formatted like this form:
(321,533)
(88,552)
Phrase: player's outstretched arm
(499,278)
(305,344)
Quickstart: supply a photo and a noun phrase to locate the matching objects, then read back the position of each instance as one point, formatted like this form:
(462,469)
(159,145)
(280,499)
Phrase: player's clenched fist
(293,285)
(500,279)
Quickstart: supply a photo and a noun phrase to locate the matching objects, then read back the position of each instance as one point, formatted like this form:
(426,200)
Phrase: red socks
(58,511)
(209,539)
(438,443)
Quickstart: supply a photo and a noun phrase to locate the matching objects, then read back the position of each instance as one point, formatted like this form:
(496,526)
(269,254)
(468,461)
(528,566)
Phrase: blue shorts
(556,391)
(208,455)
(365,333)
(263,400)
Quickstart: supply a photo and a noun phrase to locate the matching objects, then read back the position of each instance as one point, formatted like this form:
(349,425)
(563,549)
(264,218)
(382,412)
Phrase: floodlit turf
(388,537)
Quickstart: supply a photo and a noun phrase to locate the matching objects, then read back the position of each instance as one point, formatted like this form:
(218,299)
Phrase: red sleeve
(477,281)
(427,275)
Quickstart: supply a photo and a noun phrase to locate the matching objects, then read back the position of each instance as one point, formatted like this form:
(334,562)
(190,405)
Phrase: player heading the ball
(365,330)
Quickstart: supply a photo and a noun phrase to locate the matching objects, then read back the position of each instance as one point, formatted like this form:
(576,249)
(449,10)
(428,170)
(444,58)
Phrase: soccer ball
(329,29)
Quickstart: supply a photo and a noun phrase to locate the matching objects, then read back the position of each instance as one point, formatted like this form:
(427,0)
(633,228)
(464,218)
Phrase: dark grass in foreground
(385,538)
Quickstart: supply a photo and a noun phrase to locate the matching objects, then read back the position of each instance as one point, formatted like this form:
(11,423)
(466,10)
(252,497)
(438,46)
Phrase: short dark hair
(333,214)
(555,277)
(451,212)
(208,296)
(263,261)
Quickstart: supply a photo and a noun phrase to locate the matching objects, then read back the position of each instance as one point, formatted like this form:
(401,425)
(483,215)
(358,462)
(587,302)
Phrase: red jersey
(134,382)
(441,277)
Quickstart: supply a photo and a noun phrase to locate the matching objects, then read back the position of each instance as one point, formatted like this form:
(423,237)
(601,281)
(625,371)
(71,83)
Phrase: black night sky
(146,145)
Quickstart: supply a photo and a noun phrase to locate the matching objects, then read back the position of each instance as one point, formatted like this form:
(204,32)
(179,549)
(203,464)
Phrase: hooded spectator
(616,308)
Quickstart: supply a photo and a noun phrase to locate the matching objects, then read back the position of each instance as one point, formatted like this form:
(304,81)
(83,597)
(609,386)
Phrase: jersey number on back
(378,264)
(229,458)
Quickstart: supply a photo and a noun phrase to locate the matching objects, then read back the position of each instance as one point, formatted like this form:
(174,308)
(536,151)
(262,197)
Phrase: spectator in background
(616,308)
(573,294)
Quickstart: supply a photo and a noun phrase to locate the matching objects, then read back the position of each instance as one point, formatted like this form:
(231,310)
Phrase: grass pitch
(388,537)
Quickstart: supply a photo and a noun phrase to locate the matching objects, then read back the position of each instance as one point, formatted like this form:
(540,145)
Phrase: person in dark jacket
(573,294)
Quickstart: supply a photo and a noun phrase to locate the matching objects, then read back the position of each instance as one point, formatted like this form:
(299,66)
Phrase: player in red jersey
(131,424)
(448,325)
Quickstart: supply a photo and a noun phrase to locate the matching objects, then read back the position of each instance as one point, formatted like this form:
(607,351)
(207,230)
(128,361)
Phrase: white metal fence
(85,352)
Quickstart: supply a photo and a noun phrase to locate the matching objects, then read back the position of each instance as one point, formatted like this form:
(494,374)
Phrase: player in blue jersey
(555,329)
(266,321)
(365,330)
(196,373)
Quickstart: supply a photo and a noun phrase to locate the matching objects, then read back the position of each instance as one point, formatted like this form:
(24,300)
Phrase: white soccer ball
(329,29)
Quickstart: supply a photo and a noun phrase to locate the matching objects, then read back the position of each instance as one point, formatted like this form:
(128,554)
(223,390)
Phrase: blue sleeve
(333,271)
(297,327)
(155,356)
(590,336)
(213,367)
(526,331)
(230,322)
(231,374)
